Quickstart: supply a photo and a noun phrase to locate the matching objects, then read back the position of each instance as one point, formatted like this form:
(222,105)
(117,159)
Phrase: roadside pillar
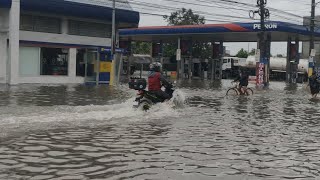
(178,58)
(216,66)
(288,66)
(190,46)
(292,60)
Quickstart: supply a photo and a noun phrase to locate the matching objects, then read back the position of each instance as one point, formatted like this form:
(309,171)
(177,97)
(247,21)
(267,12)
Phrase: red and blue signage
(218,28)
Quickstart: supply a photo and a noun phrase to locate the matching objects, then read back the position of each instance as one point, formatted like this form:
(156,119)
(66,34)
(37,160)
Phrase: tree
(184,17)
(187,17)
(141,48)
(252,52)
(242,53)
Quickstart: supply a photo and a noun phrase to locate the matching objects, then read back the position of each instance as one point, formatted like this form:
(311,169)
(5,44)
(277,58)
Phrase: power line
(157,6)
(161,15)
(172,8)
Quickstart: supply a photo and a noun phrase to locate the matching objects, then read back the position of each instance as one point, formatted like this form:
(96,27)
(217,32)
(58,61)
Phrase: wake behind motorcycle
(145,99)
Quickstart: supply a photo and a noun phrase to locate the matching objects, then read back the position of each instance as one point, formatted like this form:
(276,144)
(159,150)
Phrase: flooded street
(83,132)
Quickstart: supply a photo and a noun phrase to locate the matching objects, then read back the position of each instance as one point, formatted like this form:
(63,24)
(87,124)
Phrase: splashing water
(123,110)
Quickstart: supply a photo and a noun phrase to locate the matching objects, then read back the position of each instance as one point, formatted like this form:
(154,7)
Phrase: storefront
(43,47)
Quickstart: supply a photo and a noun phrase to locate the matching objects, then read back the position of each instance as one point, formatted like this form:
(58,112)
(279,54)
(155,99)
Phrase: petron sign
(269,26)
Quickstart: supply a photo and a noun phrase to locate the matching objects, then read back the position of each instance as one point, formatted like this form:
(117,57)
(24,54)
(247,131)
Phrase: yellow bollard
(310,71)
(112,73)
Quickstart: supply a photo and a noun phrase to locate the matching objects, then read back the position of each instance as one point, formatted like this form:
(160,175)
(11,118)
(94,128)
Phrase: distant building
(50,41)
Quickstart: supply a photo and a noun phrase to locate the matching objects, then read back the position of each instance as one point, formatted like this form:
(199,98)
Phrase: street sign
(178,54)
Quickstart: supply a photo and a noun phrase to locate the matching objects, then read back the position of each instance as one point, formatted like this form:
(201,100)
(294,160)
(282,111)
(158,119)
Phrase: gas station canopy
(233,32)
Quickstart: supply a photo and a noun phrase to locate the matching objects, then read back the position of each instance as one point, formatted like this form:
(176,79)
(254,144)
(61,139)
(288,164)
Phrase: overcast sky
(298,7)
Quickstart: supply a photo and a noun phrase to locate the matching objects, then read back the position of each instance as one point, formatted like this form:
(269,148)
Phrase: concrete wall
(4,20)
(51,80)
(4,29)
(3,57)
(14,21)
(63,38)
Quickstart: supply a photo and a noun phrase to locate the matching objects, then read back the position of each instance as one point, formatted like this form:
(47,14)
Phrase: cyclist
(243,79)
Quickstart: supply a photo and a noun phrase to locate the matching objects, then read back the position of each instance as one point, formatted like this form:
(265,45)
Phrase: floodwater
(83,132)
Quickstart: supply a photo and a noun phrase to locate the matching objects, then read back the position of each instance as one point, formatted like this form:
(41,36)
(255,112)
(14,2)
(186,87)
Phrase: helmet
(156,66)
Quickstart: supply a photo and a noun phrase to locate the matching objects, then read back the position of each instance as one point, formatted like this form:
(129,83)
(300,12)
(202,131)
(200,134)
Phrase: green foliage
(242,53)
(252,52)
(141,47)
(202,50)
(187,17)
(184,17)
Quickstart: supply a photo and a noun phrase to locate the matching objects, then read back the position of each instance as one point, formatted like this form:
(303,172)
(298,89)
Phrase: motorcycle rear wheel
(144,106)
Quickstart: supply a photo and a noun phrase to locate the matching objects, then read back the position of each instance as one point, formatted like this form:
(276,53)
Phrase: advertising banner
(216,51)
(186,47)
(156,49)
(260,73)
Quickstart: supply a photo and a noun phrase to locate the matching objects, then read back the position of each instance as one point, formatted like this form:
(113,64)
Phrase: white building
(56,41)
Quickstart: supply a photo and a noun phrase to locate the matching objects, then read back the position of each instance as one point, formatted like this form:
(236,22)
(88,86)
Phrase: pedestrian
(314,84)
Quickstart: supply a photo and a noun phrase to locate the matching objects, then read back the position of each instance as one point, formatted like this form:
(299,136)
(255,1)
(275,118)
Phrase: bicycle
(235,91)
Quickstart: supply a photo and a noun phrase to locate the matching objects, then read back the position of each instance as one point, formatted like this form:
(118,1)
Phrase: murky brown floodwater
(78,132)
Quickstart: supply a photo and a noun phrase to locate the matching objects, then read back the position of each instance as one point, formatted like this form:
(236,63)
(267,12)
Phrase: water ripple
(93,133)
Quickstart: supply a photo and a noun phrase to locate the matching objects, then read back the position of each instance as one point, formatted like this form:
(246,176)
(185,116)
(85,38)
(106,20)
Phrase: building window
(26,23)
(40,24)
(54,61)
(29,61)
(81,62)
(90,29)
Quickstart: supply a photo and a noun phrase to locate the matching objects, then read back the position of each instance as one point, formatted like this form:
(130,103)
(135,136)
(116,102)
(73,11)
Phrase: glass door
(91,66)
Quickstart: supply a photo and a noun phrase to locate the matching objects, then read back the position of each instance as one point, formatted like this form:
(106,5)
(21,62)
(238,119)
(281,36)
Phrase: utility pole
(113,44)
(262,45)
(312,25)
(312,19)
(113,36)
(264,14)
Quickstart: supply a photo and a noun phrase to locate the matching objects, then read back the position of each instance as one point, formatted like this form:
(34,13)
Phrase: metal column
(292,60)
(288,68)
(296,61)
(179,58)
(190,61)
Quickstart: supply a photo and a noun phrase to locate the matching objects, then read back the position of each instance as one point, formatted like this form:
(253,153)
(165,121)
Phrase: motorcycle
(145,99)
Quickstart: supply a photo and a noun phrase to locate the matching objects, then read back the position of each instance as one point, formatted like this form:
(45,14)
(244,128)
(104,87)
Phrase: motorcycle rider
(156,80)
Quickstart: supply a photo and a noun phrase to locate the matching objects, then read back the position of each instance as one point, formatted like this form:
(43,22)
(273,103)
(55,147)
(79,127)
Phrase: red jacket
(154,81)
